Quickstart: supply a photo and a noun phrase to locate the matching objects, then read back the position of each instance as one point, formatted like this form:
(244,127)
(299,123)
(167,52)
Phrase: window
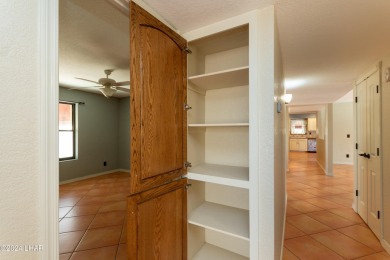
(298,126)
(66,119)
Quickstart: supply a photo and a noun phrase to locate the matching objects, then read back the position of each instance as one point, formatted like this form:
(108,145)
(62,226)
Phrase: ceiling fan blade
(123,83)
(123,89)
(88,80)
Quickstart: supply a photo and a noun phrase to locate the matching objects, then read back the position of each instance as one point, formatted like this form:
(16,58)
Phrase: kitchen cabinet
(312,124)
(298,144)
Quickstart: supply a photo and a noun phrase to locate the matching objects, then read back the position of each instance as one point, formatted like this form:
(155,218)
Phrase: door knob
(366,155)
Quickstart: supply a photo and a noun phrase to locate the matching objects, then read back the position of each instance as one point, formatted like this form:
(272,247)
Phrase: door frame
(47,55)
(47,26)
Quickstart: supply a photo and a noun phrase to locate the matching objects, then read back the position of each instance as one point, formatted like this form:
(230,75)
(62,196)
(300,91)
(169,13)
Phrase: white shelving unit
(218,146)
(235,139)
(228,220)
(219,125)
(221,174)
(213,252)
(222,79)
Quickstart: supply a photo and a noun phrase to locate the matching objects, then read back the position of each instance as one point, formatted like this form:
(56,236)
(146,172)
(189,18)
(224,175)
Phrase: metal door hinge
(187,164)
(379,214)
(188,186)
(187,107)
(357,193)
(355,99)
(357,146)
(187,50)
(377,151)
(377,88)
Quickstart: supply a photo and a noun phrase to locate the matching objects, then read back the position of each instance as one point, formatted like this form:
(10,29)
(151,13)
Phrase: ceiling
(325,44)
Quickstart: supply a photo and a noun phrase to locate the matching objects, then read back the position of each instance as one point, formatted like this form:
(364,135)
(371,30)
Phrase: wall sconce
(387,74)
(287,98)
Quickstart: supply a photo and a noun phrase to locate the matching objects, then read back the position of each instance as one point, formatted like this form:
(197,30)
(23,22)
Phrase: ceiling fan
(108,86)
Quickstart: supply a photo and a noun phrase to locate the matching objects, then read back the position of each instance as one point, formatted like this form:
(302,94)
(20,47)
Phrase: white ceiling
(326,44)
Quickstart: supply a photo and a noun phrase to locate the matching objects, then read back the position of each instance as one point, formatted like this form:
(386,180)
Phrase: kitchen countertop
(303,137)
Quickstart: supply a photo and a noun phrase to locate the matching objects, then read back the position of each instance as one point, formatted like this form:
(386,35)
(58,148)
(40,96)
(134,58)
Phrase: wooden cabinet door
(158,84)
(157,206)
(157,223)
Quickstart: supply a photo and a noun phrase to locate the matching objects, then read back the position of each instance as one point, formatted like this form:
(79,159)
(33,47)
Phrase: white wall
(20,116)
(271,183)
(342,126)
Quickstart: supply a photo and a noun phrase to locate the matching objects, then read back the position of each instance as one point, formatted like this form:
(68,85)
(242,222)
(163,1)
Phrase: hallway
(320,222)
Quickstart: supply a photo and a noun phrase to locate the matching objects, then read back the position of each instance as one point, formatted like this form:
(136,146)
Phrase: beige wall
(386,150)
(20,171)
(279,152)
(321,152)
(342,125)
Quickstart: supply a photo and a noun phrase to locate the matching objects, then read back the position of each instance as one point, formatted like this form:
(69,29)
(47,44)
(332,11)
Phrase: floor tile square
(103,253)
(287,255)
(75,223)
(91,200)
(122,252)
(100,237)
(303,206)
(331,220)
(342,244)
(306,248)
(69,241)
(347,213)
(63,211)
(113,206)
(364,235)
(65,256)
(106,219)
(84,210)
(376,256)
(307,224)
(323,203)
(291,232)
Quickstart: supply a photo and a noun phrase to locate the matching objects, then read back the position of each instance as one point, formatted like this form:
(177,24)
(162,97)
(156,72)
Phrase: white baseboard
(284,224)
(385,245)
(123,170)
(347,163)
(93,175)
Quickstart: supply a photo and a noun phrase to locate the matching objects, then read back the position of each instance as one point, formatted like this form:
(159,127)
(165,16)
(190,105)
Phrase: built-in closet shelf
(208,251)
(219,125)
(220,174)
(222,79)
(220,218)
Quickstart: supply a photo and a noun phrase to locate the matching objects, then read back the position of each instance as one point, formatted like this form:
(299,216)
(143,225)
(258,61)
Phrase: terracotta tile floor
(92,218)
(320,222)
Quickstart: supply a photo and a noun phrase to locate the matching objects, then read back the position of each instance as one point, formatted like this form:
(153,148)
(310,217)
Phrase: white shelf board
(220,174)
(208,251)
(222,79)
(227,220)
(219,125)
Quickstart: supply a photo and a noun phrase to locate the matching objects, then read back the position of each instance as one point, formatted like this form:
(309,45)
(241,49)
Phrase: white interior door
(368,162)
(373,150)
(361,123)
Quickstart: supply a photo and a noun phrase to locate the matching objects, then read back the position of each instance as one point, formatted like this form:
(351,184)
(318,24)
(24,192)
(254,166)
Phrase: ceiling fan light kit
(107,91)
